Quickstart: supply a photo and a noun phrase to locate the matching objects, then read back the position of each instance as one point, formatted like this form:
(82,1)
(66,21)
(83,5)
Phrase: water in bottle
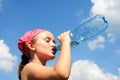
(88,29)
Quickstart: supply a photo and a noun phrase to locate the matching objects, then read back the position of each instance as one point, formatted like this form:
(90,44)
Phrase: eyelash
(49,41)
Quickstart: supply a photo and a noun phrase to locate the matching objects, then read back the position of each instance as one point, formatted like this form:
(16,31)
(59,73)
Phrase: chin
(51,58)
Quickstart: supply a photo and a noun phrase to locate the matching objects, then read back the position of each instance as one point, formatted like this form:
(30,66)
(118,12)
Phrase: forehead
(45,34)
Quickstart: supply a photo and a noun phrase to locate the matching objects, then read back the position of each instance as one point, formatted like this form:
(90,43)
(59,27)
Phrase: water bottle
(86,30)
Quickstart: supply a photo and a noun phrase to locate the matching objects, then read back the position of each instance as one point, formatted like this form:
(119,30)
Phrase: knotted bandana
(28,36)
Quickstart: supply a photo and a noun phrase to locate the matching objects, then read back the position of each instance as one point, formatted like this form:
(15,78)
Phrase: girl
(38,46)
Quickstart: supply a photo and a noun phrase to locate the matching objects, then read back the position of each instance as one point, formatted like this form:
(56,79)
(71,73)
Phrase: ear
(30,46)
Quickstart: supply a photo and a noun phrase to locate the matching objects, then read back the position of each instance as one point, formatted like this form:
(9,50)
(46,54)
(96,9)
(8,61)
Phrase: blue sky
(95,59)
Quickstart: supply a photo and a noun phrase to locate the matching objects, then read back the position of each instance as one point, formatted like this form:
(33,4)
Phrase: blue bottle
(86,30)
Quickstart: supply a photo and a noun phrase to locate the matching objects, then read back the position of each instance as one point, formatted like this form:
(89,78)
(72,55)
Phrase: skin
(41,51)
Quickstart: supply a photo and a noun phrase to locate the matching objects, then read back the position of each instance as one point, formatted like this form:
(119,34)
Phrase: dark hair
(25,60)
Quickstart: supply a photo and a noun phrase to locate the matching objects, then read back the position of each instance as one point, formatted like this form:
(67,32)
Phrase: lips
(54,50)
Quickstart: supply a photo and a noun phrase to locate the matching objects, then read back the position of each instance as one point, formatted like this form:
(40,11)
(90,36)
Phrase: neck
(41,62)
(35,59)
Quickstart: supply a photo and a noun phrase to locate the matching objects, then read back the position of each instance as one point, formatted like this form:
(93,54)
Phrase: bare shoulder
(35,71)
(26,71)
(30,68)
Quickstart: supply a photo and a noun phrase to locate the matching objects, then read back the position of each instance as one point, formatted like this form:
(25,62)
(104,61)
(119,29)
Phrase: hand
(64,37)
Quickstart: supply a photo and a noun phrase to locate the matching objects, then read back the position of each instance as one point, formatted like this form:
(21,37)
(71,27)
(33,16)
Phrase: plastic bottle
(86,30)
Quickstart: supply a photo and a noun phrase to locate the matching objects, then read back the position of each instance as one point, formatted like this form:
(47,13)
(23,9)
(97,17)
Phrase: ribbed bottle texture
(88,29)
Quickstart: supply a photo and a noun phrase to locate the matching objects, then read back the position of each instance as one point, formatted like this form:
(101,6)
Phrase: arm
(63,65)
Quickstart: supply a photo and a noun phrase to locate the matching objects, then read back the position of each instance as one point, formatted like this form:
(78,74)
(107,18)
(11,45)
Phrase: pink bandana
(28,36)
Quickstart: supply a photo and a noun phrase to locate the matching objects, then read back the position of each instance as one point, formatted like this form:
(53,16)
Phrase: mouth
(54,50)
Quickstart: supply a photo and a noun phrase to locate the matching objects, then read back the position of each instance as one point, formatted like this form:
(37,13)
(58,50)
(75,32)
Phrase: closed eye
(47,40)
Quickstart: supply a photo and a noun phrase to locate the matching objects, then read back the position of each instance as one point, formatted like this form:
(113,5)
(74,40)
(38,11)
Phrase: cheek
(44,53)
(42,47)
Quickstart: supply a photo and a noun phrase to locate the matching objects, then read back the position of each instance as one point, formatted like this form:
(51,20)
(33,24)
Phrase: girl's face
(44,45)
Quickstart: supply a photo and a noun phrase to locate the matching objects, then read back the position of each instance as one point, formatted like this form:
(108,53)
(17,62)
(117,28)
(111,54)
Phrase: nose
(53,44)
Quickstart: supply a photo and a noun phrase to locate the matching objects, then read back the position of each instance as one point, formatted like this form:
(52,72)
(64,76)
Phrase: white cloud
(88,70)
(97,43)
(109,8)
(7,60)
(111,38)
